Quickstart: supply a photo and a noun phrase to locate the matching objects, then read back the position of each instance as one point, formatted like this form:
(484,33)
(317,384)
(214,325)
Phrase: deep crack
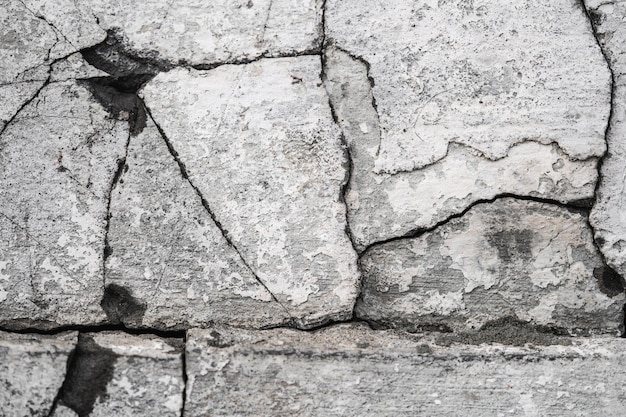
(594,20)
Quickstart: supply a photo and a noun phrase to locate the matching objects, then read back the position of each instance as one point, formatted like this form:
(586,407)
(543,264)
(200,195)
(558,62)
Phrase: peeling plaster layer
(32,369)
(58,158)
(259,142)
(169,254)
(510,258)
(484,74)
(383,206)
(353,371)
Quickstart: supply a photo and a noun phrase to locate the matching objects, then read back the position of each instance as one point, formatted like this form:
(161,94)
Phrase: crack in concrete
(205,204)
(27,102)
(121,164)
(185,377)
(349,164)
(594,30)
(420,231)
(47,81)
(52,25)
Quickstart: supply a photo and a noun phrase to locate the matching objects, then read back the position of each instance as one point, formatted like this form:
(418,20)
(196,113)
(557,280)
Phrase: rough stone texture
(197,32)
(117,374)
(32,370)
(607,216)
(58,159)
(382,206)
(193,32)
(169,254)
(441,78)
(259,142)
(29,45)
(535,262)
(271,150)
(353,371)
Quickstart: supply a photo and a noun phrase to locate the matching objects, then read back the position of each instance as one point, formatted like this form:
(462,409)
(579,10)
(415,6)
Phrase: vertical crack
(592,18)
(121,166)
(185,377)
(349,164)
(205,204)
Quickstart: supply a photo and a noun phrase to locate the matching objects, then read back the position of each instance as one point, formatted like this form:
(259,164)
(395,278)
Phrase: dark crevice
(245,61)
(420,231)
(205,204)
(322,41)
(610,282)
(121,307)
(120,105)
(89,372)
(128,70)
(349,162)
(185,377)
(167,334)
(121,166)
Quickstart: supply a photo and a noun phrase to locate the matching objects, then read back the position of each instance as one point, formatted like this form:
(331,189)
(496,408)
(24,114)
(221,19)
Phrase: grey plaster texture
(32,370)
(259,143)
(510,258)
(117,374)
(59,157)
(170,168)
(607,216)
(350,370)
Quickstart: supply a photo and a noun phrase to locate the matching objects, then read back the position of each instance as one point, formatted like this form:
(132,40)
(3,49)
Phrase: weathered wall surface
(312,207)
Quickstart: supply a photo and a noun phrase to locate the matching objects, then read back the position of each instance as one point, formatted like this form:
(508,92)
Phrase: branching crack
(208,209)
(27,102)
(43,18)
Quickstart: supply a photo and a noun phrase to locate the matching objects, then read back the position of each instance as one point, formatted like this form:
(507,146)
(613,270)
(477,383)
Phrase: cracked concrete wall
(309,207)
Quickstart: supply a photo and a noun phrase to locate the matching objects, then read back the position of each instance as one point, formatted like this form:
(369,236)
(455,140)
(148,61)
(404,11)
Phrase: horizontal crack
(420,231)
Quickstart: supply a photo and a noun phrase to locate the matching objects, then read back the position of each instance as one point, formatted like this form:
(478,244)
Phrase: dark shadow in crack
(128,69)
(90,369)
(120,105)
(121,307)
